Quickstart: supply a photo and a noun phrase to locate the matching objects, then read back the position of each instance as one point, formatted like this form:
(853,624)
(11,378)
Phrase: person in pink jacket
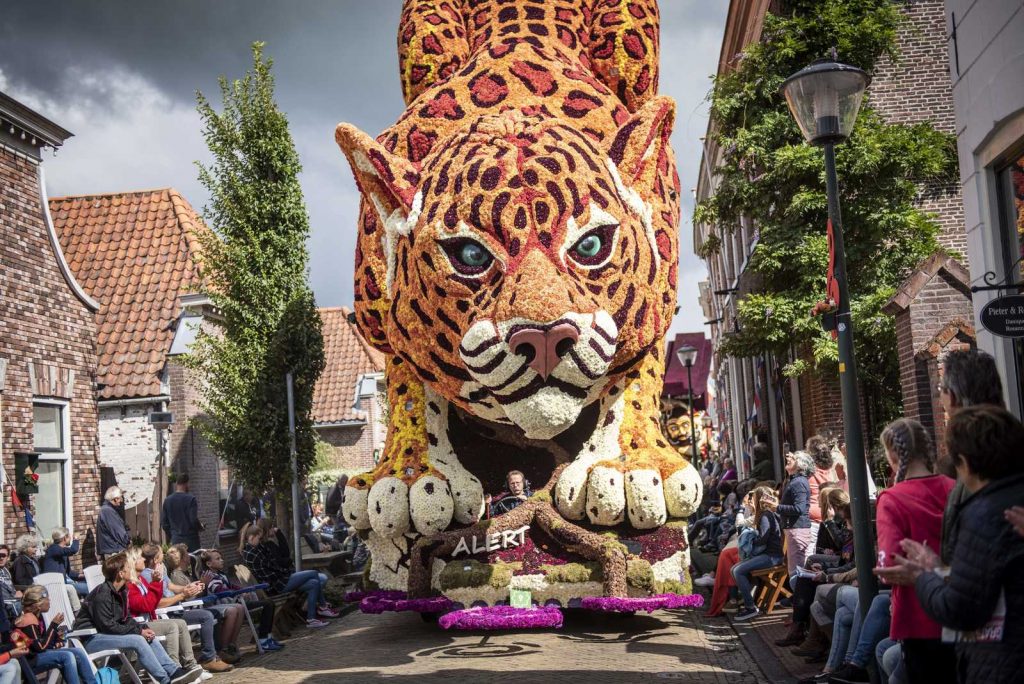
(912,509)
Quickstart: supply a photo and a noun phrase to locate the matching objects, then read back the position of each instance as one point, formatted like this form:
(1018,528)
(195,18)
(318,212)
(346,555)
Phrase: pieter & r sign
(1004,316)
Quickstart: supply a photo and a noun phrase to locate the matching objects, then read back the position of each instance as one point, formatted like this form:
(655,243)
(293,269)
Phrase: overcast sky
(122,74)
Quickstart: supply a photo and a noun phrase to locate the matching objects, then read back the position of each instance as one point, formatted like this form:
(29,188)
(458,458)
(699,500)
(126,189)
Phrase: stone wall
(44,324)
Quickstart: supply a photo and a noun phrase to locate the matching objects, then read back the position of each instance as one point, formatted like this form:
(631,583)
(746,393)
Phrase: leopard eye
(468,257)
(595,247)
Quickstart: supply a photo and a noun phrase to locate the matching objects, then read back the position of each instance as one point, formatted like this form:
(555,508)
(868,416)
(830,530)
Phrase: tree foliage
(255,267)
(770,176)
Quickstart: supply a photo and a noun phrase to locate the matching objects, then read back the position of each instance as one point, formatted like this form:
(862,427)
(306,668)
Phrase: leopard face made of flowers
(517,262)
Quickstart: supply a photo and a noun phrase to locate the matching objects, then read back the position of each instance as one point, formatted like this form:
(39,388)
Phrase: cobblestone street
(668,645)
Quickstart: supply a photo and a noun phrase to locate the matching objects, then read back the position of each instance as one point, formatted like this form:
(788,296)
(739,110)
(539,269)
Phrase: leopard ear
(386,179)
(640,149)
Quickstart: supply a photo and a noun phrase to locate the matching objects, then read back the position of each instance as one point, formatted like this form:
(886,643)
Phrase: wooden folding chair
(774,582)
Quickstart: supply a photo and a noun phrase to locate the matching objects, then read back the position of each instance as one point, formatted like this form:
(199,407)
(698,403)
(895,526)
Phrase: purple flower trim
(502,617)
(650,604)
(376,605)
(357,596)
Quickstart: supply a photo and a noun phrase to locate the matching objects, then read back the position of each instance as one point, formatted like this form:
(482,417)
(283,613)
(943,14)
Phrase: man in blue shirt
(180,516)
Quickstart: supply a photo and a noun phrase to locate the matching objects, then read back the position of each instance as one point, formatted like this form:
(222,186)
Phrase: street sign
(161,420)
(1004,316)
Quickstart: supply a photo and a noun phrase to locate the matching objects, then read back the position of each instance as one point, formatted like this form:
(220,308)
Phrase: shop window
(1011,219)
(51,439)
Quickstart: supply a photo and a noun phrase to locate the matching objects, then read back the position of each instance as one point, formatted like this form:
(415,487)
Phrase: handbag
(107,675)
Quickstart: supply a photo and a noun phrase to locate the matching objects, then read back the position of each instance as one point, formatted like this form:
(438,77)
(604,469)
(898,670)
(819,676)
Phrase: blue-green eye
(589,247)
(594,248)
(467,257)
(473,255)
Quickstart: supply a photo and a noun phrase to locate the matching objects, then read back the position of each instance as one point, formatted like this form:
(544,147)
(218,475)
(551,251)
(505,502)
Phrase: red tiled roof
(347,356)
(135,253)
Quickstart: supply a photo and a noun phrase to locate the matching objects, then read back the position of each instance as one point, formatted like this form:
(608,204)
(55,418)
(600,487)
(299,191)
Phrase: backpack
(107,675)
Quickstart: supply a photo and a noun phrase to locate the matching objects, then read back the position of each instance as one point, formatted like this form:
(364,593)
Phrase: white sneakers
(707,580)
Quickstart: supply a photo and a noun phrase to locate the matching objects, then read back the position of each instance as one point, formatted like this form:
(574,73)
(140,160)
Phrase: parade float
(517,263)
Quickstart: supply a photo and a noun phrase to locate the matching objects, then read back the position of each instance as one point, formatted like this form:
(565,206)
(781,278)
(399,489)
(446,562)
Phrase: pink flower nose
(544,349)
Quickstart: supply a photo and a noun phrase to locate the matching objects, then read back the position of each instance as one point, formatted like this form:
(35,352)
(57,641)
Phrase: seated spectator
(821,453)
(10,595)
(26,564)
(855,636)
(46,643)
(10,653)
(105,609)
(518,492)
(143,597)
(171,595)
(179,566)
(987,570)
(263,558)
(768,549)
(835,557)
(58,559)
(722,579)
(728,471)
(217,582)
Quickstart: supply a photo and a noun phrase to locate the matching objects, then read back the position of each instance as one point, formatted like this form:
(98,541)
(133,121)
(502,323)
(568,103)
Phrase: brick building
(136,254)
(348,401)
(47,341)
(914,89)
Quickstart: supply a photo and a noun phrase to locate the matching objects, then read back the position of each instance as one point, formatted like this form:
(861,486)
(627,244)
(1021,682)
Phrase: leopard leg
(432,44)
(624,48)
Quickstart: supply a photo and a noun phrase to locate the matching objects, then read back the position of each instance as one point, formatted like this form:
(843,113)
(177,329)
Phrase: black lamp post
(824,99)
(688,356)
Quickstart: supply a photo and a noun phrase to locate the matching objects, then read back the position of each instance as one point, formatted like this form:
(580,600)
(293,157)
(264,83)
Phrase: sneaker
(270,644)
(315,624)
(850,673)
(326,612)
(707,580)
(204,675)
(746,614)
(216,665)
(183,676)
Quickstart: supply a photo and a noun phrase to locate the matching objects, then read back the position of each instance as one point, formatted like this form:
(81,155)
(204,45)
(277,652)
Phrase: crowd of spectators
(949,551)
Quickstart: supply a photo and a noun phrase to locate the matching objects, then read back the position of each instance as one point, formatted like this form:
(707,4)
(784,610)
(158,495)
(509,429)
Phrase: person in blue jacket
(58,559)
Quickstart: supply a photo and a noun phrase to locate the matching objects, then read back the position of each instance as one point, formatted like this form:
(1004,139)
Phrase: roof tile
(347,357)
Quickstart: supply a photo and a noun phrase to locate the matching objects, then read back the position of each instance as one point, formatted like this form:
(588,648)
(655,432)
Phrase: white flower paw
(645,499)
(354,509)
(683,492)
(606,496)
(430,505)
(388,507)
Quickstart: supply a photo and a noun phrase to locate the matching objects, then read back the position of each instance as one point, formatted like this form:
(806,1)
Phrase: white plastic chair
(54,584)
(93,576)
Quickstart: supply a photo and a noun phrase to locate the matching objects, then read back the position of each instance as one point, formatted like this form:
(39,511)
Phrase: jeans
(206,620)
(846,607)
(310,583)
(10,672)
(741,573)
(889,655)
(74,665)
(864,636)
(81,588)
(266,608)
(152,656)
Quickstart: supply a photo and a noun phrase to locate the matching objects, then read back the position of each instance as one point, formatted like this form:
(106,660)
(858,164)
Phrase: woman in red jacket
(912,509)
(143,597)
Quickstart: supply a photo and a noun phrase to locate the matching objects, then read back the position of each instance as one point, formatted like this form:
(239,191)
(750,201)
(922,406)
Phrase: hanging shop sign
(1004,316)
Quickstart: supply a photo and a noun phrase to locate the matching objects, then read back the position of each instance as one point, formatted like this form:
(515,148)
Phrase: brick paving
(667,645)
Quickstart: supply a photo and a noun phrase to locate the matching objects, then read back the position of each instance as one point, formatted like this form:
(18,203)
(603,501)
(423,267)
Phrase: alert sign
(1004,316)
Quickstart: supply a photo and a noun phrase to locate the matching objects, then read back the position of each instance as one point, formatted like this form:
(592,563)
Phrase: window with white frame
(52,441)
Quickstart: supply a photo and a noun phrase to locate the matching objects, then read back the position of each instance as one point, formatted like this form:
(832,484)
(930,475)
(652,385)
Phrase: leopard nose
(544,349)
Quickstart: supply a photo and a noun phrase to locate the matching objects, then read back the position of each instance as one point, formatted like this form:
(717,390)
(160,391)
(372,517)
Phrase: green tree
(255,267)
(770,176)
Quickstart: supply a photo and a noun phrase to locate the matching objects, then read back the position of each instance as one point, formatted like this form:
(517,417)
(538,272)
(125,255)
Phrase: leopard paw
(391,507)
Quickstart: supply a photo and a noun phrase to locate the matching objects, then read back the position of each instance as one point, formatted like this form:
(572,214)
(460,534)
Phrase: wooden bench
(331,561)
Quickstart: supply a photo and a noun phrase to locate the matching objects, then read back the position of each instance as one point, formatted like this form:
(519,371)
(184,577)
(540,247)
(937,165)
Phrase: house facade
(137,254)
(755,400)
(347,410)
(48,355)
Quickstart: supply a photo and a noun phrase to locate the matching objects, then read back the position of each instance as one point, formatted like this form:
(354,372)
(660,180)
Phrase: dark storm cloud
(122,76)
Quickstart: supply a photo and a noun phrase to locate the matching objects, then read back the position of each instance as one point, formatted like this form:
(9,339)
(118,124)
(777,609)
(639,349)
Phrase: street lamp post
(824,99)
(688,356)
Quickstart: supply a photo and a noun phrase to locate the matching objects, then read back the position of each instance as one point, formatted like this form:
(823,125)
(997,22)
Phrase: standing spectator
(180,516)
(58,559)
(768,547)
(969,378)
(111,532)
(824,473)
(336,497)
(762,456)
(26,565)
(986,577)
(47,648)
(105,609)
(794,510)
(247,509)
